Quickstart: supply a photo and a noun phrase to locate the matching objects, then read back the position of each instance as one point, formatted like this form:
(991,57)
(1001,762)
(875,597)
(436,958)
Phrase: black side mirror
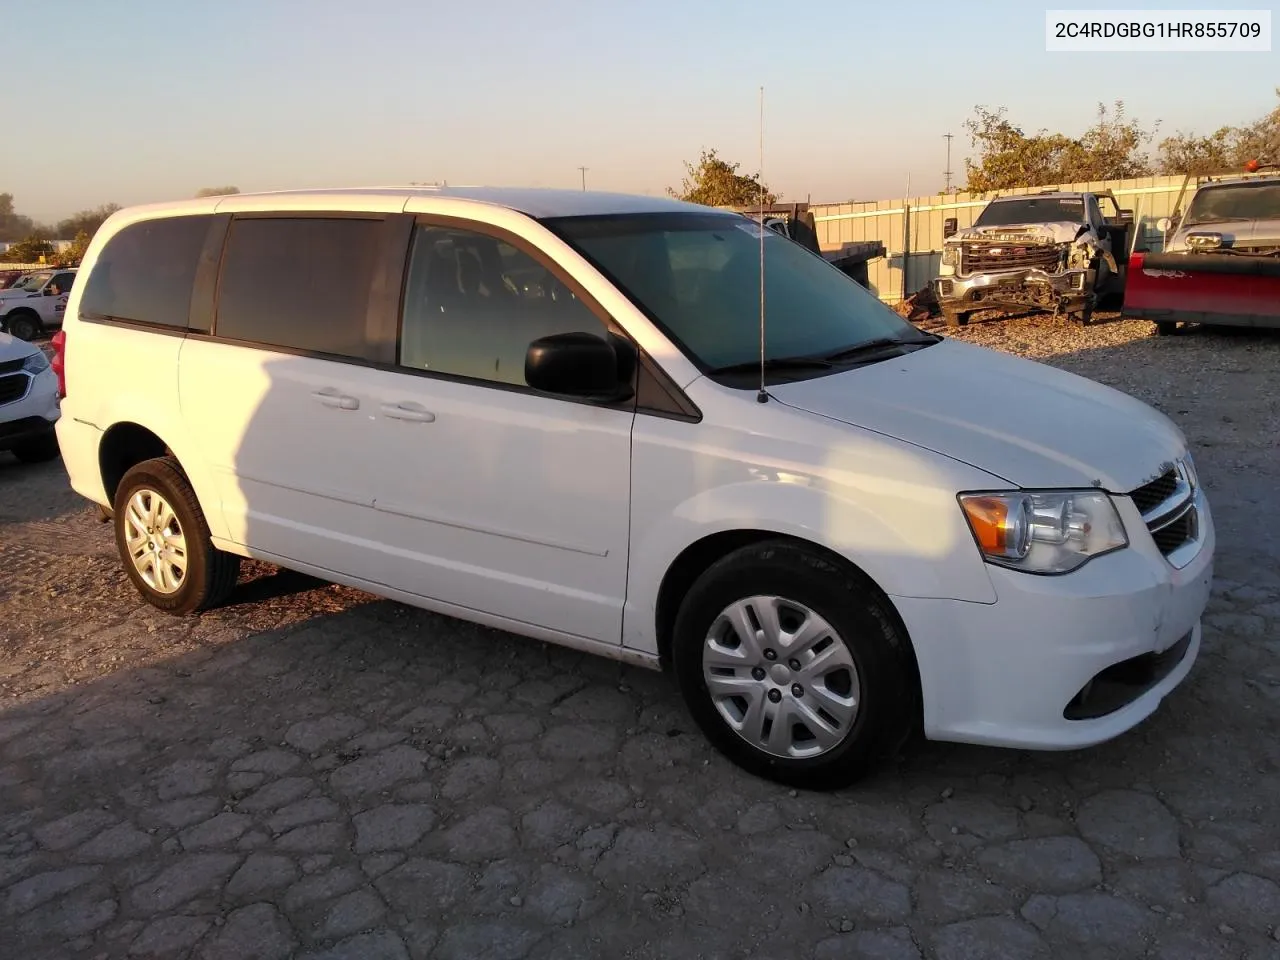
(578,365)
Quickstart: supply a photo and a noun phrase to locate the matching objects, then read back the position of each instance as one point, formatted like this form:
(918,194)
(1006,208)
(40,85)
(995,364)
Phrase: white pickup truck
(36,302)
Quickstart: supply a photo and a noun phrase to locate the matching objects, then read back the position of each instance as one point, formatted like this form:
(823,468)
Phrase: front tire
(40,450)
(24,325)
(793,666)
(164,540)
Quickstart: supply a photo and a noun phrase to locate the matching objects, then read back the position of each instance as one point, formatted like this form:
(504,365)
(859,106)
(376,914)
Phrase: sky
(153,100)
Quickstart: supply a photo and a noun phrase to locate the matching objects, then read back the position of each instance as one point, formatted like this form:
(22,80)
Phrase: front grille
(1183,529)
(1168,508)
(983,257)
(1150,495)
(11,366)
(14,387)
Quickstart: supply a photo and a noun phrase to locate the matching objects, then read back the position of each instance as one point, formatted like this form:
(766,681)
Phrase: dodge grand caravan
(549,412)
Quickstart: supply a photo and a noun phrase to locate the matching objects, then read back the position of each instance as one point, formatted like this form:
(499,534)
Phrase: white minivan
(546,412)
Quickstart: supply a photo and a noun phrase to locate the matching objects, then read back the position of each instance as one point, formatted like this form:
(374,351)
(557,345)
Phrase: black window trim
(151,326)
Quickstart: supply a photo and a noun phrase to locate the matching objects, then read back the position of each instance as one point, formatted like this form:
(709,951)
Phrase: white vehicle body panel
(559,520)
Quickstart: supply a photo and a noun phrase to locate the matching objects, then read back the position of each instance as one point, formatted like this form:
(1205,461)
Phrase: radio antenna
(763,395)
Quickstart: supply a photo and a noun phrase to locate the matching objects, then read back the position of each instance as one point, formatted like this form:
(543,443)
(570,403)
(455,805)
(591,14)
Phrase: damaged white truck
(1053,251)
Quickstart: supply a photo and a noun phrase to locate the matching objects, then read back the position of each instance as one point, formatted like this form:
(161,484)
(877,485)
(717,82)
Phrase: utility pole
(946,174)
(584,178)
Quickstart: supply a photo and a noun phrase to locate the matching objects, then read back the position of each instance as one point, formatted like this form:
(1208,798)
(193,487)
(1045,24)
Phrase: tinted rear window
(298,282)
(145,272)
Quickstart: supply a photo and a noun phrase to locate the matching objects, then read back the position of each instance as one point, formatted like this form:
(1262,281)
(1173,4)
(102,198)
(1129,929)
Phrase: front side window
(302,283)
(63,282)
(698,276)
(145,272)
(473,303)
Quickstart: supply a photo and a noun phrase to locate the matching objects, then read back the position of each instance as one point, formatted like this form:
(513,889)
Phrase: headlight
(950,254)
(36,363)
(1048,532)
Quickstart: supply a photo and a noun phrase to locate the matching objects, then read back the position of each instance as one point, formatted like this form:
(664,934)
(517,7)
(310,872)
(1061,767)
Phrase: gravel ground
(313,772)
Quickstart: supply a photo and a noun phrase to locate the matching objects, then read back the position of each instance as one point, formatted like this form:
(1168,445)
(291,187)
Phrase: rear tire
(24,325)
(833,672)
(164,540)
(39,450)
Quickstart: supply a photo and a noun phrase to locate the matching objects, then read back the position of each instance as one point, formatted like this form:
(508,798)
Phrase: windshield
(1002,213)
(698,277)
(1239,201)
(32,281)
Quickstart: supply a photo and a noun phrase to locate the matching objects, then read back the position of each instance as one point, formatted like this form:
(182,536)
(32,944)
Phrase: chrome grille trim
(1179,507)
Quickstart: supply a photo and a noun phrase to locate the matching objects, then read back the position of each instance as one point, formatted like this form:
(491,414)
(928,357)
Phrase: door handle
(332,398)
(408,411)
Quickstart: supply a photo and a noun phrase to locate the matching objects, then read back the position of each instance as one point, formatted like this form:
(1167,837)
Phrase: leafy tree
(216,191)
(85,221)
(717,183)
(30,250)
(1225,150)
(72,256)
(1006,156)
(13,225)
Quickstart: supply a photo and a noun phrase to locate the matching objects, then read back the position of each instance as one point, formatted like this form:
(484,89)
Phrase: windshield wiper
(877,344)
(776,363)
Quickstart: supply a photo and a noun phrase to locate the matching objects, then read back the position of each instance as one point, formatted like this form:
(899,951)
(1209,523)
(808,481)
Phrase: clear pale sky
(152,100)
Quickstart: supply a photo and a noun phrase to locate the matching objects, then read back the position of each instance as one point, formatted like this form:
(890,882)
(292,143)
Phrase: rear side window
(145,272)
(301,283)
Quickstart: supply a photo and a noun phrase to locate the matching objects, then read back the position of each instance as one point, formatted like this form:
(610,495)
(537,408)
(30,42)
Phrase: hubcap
(781,677)
(157,546)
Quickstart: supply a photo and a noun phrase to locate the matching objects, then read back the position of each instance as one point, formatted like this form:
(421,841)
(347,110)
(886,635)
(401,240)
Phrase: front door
(490,496)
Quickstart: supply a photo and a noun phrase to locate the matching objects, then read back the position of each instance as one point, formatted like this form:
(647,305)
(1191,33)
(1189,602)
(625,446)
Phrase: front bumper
(31,415)
(1123,630)
(1013,287)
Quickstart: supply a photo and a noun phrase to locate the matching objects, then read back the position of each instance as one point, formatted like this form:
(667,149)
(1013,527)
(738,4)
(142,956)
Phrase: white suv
(28,401)
(546,412)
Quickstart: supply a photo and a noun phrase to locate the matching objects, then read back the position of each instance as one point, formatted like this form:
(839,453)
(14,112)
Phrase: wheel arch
(123,446)
(699,556)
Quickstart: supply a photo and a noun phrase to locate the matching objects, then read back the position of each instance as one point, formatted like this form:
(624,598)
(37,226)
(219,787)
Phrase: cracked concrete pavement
(312,772)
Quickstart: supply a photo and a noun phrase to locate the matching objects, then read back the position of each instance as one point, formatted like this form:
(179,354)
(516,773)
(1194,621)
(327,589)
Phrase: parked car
(36,303)
(1221,263)
(879,529)
(1052,250)
(28,401)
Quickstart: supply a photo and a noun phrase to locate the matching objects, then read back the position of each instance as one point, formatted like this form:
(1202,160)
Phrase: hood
(1063,231)
(1025,422)
(12,294)
(1239,233)
(11,348)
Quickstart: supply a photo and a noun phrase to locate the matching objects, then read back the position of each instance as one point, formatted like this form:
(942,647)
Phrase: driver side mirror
(581,365)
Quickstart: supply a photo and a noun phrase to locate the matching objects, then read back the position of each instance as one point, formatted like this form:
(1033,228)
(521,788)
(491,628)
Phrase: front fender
(922,552)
